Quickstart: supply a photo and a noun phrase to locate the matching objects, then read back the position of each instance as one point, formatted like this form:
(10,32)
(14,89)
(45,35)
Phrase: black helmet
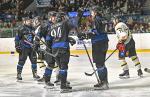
(64,15)
(59,17)
(37,20)
(52,13)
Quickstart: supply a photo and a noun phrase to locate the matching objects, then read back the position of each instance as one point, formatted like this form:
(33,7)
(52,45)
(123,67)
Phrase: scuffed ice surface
(133,87)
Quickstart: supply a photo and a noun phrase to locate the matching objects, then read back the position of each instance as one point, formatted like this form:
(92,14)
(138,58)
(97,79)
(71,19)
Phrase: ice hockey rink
(133,87)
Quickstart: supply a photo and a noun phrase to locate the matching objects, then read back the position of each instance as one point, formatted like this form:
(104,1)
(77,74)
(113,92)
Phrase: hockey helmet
(36,20)
(52,13)
(59,17)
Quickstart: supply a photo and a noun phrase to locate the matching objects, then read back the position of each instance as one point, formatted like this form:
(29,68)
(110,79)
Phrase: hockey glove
(18,49)
(122,51)
(121,46)
(81,36)
(72,41)
(90,35)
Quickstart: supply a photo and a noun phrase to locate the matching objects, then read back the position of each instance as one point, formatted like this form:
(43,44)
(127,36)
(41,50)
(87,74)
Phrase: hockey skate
(147,70)
(65,88)
(41,80)
(58,82)
(35,76)
(140,73)
(49,85)
(19,78)
(124,75)
(101,86)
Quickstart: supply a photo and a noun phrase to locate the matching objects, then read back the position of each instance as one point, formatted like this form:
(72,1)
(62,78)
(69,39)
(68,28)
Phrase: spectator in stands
(148,29)
(142,29)
(1,23)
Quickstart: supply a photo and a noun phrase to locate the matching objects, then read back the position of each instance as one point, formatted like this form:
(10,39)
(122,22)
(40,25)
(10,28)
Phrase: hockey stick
(53,55)
(90,74)
(98,80)
(79,23)
(36,31)
(32,45)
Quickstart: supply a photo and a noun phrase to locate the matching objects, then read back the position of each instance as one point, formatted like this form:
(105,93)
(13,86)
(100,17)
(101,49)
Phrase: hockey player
(126,47)
(49,59)
(72,41)
(42,33)
(25,35)
(60,31)
(37,22)
(99,41)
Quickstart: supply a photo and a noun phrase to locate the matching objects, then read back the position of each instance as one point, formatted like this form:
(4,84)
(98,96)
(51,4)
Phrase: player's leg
(47,74)
(125,68)
(99,54)
(132,54)
(121,56)
(22,58)
(40,59)
(33,59)
(63,72)
(57,82)
(49,68)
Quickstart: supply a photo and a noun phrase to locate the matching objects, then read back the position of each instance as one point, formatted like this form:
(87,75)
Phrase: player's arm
(49,39)
(18,38)
(99,29)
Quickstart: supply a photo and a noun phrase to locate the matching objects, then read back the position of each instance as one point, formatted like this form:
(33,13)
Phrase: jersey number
(56,32)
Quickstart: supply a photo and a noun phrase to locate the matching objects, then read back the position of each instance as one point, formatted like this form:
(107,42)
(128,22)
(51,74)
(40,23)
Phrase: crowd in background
(116,6)
(109,6)
(129,10)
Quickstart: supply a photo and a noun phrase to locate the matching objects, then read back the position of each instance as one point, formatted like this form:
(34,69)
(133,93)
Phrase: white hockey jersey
(122,31)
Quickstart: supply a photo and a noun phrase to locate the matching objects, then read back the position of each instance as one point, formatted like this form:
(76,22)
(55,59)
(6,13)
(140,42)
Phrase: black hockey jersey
(25,33)
(98,27)
(60,32)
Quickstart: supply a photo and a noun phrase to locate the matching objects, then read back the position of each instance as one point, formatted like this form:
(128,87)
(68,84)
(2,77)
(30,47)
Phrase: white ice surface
(133,87)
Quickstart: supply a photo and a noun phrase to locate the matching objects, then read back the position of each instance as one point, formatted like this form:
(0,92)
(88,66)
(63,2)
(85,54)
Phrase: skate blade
(141,76)
(20,81)
(57,84)
(101,88)
(40,82)
(65,90)
(124,77)
(36,79)
(106,87)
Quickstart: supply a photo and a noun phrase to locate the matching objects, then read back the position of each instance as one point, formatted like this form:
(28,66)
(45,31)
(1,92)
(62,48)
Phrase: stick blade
(87,74)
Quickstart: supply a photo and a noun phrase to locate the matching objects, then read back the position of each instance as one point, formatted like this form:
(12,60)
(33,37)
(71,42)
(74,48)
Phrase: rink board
(7,45)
